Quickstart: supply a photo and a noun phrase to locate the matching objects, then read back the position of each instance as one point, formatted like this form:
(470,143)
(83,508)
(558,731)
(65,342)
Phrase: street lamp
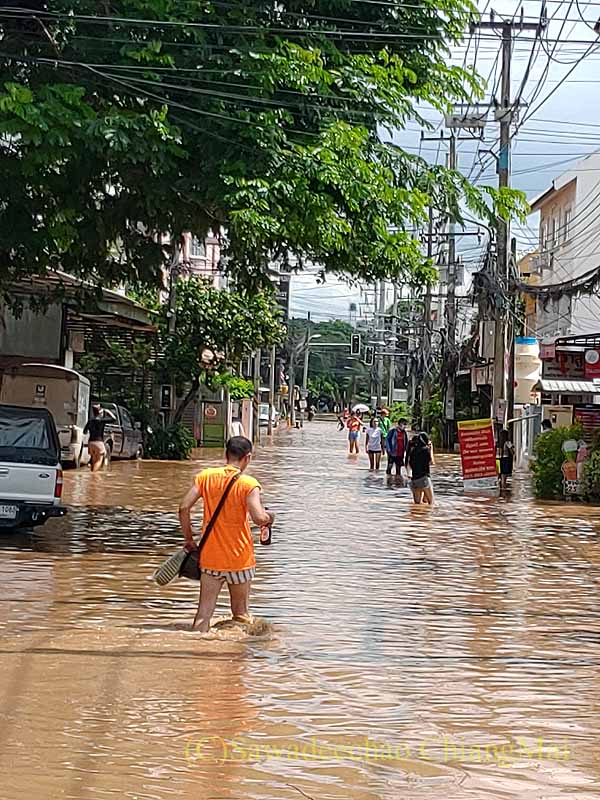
(306,358)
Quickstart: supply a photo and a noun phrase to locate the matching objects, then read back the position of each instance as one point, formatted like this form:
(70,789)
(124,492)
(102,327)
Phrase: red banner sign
(478,453)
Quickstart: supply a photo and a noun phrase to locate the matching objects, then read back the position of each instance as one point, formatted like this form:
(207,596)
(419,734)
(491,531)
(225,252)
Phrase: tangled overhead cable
(587,283)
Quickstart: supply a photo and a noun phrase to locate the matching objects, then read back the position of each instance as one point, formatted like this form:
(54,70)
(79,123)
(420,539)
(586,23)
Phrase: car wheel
(108,454)
(139,452)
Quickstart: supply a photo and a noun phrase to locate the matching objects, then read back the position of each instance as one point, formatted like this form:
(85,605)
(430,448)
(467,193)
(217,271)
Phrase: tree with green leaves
(214,330)
(332,370)
(262,122)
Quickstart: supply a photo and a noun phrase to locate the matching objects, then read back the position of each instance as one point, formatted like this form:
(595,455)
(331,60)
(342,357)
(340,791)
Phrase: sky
(559,124)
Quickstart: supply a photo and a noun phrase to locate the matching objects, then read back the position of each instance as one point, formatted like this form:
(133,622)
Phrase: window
(125,418)
(198,248)
(566,224)
(553,240)
(544,235)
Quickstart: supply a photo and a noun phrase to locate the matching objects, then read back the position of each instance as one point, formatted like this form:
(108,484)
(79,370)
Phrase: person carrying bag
(225,553)
(190,566)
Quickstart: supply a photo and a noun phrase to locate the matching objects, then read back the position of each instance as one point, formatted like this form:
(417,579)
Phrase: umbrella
(361,407)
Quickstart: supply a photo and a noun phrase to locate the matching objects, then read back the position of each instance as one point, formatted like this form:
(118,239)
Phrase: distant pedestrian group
(411,456)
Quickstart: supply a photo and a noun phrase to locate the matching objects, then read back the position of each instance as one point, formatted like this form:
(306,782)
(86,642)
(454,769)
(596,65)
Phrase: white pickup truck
(31,477)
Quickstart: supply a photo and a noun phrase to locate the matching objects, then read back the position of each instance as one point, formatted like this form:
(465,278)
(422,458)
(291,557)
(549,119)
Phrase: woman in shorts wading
(420,460)
(374,444)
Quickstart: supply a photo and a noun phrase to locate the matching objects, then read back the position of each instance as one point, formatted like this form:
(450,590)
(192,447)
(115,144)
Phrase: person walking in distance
(384,421)
(95,427)
(420,460)
(228,553)
(505,453)
(374,444)
(354,425)
(396,445)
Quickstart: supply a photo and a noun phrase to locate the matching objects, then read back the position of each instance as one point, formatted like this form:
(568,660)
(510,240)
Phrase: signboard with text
(478,454)
(565,365)
(283,295)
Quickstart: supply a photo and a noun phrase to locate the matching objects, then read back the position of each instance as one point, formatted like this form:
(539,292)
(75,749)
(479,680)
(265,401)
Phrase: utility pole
(304,391)
(426,385)
(450,346)
(451,312)
(256,403)
(510,396)
(379,317)
(504,115)
(394,344)
(173,279)
(272,367)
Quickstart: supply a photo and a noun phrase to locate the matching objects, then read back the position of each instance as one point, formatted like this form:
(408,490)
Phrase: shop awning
(568,387)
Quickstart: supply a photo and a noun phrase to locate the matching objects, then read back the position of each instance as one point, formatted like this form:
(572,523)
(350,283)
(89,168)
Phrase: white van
(63,392)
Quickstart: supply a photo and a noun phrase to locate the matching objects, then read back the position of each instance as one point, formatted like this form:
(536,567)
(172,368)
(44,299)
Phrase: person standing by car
(374,444)
(228,553)
(396,445)
(95,427)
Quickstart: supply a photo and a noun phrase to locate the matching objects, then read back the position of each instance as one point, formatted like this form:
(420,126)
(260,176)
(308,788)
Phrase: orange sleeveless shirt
(230,546)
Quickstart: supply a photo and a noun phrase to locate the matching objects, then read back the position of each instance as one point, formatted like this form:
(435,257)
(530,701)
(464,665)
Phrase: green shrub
(436,435)
(174,443)
(549,458)
(400,410)
(239,388)
(590,482)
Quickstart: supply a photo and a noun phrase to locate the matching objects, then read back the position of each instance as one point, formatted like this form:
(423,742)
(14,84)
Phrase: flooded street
(402,652)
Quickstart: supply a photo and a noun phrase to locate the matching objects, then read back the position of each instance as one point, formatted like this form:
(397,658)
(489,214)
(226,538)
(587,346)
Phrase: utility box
(487,333)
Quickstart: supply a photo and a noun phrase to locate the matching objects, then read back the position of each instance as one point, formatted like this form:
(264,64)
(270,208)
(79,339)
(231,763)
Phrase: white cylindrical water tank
(528,369)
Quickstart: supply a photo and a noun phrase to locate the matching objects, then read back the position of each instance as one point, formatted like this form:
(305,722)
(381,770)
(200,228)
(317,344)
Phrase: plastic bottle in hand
(265,534)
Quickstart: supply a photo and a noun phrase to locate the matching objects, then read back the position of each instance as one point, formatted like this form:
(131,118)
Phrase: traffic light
(355,344)
(369,356)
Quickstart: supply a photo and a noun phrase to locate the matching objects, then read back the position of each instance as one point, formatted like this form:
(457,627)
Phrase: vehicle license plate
(8,512)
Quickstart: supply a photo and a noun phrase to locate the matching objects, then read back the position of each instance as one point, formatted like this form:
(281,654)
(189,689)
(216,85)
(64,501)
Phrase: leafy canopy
(261,120)
(228,324)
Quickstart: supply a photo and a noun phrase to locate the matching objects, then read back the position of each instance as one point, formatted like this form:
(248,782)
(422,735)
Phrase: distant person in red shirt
(396,445)
(354,425)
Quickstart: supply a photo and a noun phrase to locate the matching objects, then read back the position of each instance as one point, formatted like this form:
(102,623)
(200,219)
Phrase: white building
(202,258)
(569,234)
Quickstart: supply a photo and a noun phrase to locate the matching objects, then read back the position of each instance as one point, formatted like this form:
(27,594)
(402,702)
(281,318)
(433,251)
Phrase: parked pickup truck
(123,438)
(31,477)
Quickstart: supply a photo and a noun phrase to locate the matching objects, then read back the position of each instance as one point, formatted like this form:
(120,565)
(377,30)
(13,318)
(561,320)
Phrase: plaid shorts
(242,576)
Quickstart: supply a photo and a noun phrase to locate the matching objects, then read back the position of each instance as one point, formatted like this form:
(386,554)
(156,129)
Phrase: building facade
(202,258)
(569,247)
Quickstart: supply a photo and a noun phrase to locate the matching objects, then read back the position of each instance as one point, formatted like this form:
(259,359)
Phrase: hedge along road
(398,651)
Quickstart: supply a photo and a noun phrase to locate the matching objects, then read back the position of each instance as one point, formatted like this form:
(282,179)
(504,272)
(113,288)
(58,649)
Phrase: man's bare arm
(185,518)
(259,515)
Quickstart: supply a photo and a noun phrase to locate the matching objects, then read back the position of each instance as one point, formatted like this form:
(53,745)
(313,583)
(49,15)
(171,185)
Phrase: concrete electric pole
(504,115)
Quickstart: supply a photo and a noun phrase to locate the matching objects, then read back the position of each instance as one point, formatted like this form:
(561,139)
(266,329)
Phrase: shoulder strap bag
(190,568)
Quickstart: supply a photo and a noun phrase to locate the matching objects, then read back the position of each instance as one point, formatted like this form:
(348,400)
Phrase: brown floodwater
(403,652)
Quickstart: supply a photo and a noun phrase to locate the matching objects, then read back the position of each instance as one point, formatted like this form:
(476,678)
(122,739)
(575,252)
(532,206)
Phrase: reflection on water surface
(405,652)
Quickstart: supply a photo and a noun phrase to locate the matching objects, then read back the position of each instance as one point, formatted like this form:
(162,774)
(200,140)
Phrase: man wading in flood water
(228,554)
